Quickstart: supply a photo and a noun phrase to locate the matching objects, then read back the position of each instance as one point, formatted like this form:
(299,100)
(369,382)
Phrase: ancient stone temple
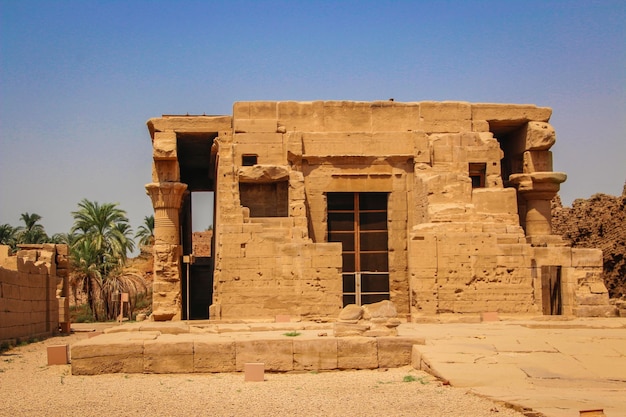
(440,207)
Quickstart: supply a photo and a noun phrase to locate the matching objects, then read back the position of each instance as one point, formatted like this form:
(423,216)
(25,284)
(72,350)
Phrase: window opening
(477,172)
(248,160)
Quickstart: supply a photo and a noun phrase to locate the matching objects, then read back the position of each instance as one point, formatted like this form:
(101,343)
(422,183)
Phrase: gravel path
(28,387)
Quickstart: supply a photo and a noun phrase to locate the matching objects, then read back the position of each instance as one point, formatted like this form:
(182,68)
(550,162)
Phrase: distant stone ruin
(33,292)
(439,207)
(597,222)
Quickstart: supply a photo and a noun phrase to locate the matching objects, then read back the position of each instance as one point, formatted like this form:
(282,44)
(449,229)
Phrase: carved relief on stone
(166,199)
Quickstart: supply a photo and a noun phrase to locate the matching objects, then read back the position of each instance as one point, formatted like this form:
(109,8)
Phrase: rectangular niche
(265,199)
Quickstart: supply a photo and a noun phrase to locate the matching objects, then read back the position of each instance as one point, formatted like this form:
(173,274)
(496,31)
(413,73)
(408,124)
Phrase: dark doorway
(200,288)
(197,162)
(551,290)
(359,222)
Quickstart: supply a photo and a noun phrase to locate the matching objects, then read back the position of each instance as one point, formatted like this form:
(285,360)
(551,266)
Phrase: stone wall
(201,242)
(29,284)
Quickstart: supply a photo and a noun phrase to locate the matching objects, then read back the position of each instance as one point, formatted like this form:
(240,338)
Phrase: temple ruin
(440,207)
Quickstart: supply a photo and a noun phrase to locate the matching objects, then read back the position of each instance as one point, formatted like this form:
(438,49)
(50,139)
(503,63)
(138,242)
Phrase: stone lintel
(190,124)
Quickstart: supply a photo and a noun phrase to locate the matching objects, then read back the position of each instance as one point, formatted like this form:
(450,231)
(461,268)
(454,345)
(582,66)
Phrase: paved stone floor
(548,366)
(556,367)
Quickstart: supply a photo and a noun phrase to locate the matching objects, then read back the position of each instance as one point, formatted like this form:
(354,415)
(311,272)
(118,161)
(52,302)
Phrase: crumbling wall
(29,284)
(597,222)
(201,242)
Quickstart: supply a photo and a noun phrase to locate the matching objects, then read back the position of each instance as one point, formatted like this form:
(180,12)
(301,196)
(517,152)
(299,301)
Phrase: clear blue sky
(79,79)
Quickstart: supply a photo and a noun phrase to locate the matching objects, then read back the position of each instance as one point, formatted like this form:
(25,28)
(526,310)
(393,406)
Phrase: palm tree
(32,232)
(86,274)
(64,238)
(8,236)
(106,226)
(145,232)
(99,252)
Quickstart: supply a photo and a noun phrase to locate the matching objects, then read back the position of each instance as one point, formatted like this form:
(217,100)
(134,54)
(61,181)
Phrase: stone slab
(169,354)
(212,355)
(315,354)
(357,353)
(276,354)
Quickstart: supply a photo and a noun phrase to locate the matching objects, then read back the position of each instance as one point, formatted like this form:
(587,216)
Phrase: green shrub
(81,314)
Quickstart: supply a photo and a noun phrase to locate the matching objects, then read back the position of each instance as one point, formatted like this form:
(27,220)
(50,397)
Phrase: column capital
(166,194)
(538,185)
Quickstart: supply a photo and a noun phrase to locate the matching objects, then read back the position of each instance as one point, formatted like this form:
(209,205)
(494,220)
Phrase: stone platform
(205,348)
(547,366)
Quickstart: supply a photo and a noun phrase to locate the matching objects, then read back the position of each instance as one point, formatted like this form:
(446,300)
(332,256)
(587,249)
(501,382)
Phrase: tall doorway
(359,222)
(197,267)
(551,290)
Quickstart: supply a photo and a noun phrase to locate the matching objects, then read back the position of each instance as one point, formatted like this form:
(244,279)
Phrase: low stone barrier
(155,352)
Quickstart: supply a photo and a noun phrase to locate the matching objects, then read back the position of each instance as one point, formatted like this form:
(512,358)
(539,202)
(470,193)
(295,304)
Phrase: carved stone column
(166,292)
(538,189)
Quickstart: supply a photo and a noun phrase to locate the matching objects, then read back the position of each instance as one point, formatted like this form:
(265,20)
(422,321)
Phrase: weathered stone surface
(277,355)
(169,354)
(539,136)
(214,356)
(351,312)
(382,309)
(314,354)
(349,329)
(463,227)
(93,356)
(262,173)
(357,353)
(394,352)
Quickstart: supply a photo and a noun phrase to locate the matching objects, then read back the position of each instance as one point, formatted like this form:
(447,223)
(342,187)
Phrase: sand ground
(29,387)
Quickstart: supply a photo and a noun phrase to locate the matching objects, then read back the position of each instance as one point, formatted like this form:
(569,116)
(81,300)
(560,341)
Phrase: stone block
(315,354)
(394,352)
(494,200)
(255,125)
(109,354)
(349,329)
(357,353)
(301,116)
(277,354)
(347,116)
(58,354)
(254,372)
(164,146)
(494,113)
(586,257)
(165,171)
(394,117)
(540,136)
(262,109)
(553,256)
(446,110)
(537,161)
(214,355)
(169,354)
(196,124)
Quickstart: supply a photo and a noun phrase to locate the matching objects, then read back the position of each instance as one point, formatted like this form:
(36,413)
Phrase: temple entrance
(197,266)
(552,303)
(359,222)
(197,170)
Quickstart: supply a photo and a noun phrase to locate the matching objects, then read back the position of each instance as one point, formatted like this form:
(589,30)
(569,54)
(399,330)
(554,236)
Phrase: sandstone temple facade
(440,207)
